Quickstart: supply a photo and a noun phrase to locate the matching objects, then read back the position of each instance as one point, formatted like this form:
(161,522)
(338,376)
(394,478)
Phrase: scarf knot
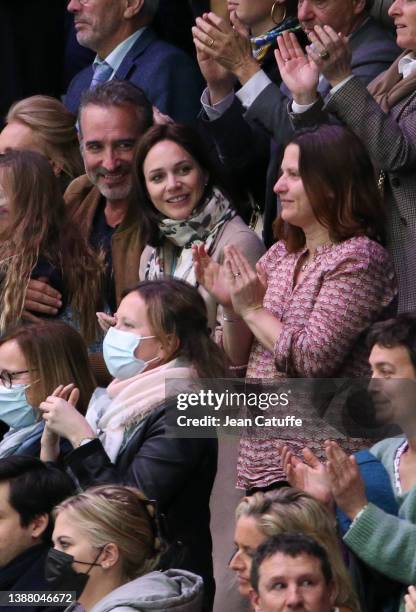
(174,256)
(116,413)
(260,45)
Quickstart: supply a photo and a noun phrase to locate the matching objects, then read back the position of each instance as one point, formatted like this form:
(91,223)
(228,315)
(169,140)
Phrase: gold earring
(273,13)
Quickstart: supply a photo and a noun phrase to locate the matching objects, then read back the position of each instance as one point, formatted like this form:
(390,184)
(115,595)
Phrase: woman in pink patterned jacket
(317,290)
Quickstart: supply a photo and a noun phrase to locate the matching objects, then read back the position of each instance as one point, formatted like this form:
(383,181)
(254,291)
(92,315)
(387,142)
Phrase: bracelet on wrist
(252,308)
(227,319)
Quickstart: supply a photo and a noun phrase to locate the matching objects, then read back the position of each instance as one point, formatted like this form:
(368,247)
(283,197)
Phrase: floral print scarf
(261,44)
(174,256)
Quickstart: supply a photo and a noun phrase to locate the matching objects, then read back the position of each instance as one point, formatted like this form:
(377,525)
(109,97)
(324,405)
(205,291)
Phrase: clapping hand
(211,275)
(61,416)
(227,44)
(347,485)
(298,70)
(247,286)
(220,80)
(410,600)
(50,440)
(331,53)
(309,475)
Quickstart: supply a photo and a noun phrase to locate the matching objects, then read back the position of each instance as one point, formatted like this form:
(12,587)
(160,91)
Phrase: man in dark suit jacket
(121,37)
(29,490)
(259,108)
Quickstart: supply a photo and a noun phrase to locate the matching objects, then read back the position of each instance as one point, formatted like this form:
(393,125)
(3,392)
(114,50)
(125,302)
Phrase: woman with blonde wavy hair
(264,515)
(43,124)
(106,545)
(38,240)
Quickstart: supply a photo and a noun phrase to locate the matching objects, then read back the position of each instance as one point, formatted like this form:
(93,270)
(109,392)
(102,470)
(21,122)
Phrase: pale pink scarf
(131,400)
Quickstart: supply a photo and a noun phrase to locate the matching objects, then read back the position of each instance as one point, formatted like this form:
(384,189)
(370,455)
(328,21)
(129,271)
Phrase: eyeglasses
(7,377)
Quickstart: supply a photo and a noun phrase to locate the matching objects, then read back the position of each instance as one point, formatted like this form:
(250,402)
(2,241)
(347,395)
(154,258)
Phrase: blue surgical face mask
(14,409)
(118,351)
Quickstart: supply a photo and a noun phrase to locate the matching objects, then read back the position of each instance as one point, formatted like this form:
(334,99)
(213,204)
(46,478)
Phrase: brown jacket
(83,198)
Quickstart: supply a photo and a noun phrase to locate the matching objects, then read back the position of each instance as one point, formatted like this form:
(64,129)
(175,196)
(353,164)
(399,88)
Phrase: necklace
(311,260)
(306,265)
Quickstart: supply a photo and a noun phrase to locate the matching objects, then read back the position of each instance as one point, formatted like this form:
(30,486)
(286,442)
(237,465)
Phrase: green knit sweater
(385,542)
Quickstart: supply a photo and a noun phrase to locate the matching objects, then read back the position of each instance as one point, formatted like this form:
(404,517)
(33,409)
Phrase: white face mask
(118,351)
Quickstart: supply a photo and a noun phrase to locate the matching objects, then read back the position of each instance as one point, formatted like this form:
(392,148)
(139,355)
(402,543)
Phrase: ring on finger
(211,42)
(236,274)
(324,54)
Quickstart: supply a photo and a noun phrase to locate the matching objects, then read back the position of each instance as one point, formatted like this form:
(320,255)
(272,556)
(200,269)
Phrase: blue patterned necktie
(102,72)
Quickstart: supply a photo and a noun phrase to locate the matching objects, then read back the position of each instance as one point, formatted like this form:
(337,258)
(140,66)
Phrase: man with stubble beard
(112,117)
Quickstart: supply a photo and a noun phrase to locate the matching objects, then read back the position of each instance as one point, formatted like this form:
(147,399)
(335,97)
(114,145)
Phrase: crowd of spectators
(195,195)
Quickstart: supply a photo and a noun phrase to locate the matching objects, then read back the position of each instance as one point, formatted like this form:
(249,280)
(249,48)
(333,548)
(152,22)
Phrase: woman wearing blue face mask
(34,360)
(161,333)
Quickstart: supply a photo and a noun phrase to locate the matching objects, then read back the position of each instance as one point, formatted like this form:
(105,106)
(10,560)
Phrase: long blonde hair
(39,228)
(290,510)
(120,515)
(54,130)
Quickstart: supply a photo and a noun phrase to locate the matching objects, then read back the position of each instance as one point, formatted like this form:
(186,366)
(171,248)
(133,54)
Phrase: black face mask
(60,574)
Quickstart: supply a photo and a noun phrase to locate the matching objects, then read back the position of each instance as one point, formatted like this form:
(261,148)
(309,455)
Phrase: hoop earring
(273,13)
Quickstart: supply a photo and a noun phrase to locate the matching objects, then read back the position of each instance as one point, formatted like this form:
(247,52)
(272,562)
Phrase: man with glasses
(127,49)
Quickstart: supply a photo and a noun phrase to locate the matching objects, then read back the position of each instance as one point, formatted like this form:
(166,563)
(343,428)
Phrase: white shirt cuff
(357,516)
(301,108)
(215,111)
(335,89)
(253,88)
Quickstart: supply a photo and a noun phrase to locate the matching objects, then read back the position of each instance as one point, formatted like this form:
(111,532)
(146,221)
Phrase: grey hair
(119,94)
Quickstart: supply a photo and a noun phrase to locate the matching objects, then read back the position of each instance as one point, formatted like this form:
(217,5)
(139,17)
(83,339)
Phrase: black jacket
(27,573)
(177,473)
